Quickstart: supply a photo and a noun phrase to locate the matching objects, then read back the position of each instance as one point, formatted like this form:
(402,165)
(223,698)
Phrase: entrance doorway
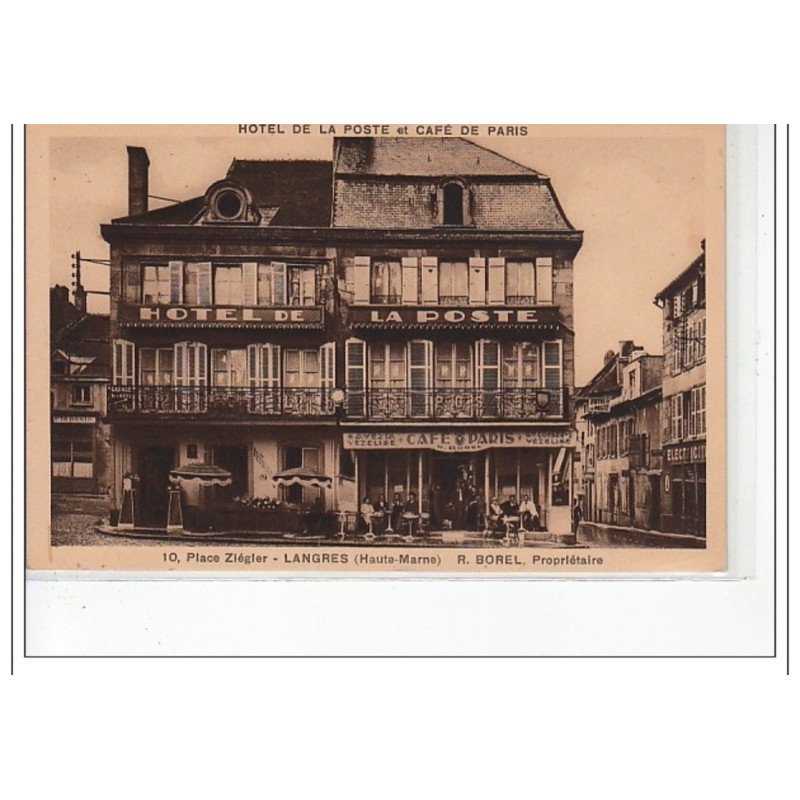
(234,458)
(153,467)
(453,492)
(654,512)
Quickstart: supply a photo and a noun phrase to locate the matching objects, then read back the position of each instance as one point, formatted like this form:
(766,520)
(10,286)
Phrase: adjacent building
(683,305)
(398,319)
(618,417)
(79,377)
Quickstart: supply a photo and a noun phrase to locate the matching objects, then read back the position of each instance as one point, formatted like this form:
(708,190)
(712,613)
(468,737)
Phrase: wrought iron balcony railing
(219,401)
(450,404)
(386,299)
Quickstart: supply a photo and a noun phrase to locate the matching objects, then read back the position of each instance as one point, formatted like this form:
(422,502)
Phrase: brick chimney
(138,183)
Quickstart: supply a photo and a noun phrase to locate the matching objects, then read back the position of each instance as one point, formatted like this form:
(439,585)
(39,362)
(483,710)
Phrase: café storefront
(445,470)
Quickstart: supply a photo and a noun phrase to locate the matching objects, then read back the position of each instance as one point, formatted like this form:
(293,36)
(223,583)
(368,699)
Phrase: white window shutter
(477,281)
(420,374)
(410,282)
(497,281)
(361,265)
(429,280)
(124,363)
(356,376)
(250,280)
(551,361)
(327,365)
(544,280)
(176,282)
(204,283)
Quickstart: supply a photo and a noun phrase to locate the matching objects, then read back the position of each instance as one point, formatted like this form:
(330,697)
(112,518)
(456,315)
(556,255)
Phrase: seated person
(494,520)
(511,506)
(365,515)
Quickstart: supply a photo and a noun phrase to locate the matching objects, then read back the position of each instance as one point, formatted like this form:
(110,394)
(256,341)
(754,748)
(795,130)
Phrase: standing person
(410,517)
(396,513)
(494,522)
(382,508)
(528,514)
(577,515)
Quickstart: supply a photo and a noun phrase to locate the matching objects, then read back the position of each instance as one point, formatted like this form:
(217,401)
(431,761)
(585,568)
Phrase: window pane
(264,284)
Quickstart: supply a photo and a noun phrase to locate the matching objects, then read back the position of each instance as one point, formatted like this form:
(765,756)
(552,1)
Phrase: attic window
(228,205)
(453,204)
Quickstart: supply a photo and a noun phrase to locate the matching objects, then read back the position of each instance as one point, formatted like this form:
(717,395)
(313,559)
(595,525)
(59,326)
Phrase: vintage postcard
(378,349)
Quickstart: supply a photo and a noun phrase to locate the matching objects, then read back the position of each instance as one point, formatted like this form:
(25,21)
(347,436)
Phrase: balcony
(218,402)
(599,405)
(378,405)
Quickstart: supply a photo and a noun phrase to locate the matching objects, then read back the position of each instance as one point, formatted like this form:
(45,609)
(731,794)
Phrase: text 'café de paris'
(397,321)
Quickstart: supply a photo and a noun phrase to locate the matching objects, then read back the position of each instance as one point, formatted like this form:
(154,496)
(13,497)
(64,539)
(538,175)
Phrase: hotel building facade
(398,319)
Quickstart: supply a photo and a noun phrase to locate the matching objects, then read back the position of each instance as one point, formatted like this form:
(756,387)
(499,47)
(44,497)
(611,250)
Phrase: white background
(656,727)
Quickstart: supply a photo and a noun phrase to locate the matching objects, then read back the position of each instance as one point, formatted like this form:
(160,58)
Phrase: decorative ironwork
(448,404)
(386,299)
(521,300)
(220,401)
(453,299)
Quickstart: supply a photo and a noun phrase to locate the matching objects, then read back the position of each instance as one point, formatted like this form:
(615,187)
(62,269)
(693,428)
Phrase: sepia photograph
(378,347)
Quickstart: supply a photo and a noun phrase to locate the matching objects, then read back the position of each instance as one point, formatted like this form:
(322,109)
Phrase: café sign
(167,314)
(456,441)
(414,315)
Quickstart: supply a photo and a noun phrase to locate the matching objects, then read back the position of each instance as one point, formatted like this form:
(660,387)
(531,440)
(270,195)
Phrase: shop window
(295,456)
(453,199)
(72,459)
(81,396)
(387,282)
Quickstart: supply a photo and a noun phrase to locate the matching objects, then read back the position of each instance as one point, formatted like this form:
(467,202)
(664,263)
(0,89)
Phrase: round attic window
(228,204)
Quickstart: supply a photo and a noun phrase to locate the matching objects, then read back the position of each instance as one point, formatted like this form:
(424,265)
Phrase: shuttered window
(410,281)
(496,293)
(430,280)
(156,284)
(520,283)
(361,267)
(544,280)
(420,358)
(123,363)
(355,358)
(477,281)
(132,290)
(551,377)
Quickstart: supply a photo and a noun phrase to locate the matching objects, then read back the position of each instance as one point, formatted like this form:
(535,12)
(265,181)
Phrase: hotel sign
(415,315)
(457,441)
(254,316)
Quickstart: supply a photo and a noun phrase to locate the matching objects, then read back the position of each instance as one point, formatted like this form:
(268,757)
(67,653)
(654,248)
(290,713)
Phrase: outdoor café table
(410,517)
(512,527)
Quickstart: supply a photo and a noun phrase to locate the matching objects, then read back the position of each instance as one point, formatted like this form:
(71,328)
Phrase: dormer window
(453,204)
(228,204)
(227,201)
